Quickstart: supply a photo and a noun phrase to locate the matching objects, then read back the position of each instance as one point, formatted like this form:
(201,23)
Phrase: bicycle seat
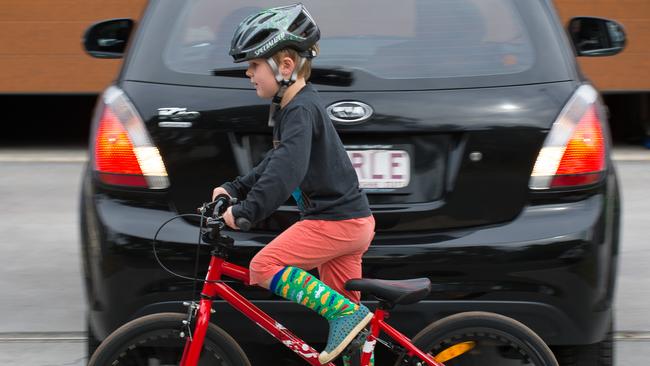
(392,291)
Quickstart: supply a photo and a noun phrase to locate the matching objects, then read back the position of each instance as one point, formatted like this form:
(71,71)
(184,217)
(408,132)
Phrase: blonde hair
(305,71)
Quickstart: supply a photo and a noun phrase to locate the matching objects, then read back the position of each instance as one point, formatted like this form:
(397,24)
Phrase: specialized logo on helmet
(270,44)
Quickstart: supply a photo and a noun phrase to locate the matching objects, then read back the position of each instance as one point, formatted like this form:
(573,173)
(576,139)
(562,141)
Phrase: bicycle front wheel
(494,340)
(155,340)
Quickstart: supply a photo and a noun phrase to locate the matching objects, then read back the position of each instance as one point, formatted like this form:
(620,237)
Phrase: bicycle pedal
(358,341)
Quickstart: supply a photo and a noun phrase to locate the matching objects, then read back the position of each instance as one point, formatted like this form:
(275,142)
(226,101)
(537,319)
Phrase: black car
(484,152)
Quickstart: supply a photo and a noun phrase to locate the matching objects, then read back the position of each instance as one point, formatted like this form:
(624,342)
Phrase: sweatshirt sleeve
(242,185)
(286,168)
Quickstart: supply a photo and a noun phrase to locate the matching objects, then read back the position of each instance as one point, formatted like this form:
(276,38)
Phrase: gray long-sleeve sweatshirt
(308,161)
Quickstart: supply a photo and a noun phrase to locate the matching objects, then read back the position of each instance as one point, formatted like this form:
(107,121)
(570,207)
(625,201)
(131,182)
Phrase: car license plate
(379,169)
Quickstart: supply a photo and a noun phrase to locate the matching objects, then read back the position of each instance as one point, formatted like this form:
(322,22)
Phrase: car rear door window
(410,44)
(408,39)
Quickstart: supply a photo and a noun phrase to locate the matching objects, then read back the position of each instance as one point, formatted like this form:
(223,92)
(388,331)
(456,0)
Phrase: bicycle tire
(506,340)
(155,340)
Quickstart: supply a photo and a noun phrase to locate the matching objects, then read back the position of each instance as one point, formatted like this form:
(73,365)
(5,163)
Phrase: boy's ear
(286,66)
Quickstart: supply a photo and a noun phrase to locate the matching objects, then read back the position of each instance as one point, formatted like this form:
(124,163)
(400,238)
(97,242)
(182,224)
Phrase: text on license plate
(381,168)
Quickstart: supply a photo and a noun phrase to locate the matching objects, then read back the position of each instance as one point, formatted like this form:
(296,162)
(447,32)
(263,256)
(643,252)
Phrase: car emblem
(176,117)
(349,112)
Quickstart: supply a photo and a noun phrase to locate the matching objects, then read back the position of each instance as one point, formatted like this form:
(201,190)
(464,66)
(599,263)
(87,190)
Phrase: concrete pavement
(42,307)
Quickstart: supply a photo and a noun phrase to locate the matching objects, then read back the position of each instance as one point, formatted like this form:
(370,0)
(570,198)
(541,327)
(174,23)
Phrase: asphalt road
(42,303)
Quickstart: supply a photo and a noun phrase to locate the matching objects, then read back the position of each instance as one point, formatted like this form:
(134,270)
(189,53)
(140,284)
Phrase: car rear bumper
(551,268)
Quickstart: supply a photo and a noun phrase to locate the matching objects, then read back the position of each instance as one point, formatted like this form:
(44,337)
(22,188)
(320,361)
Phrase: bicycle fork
(194,342)
(202,312)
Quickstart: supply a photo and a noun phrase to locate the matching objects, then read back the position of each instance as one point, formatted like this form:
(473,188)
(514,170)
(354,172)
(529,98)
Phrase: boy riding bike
(307,161)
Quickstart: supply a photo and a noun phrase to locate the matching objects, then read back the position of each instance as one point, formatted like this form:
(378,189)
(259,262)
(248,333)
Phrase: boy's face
(262,78)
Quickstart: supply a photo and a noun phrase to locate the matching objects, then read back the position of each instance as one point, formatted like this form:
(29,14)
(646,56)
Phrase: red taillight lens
(115,160)
(574,151)
(584,157)
(123,151)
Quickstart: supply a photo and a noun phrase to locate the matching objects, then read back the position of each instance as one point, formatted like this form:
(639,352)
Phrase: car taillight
(124,154)
(573,154)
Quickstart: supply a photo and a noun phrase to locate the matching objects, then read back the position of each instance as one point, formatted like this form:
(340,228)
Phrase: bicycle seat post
(385,306)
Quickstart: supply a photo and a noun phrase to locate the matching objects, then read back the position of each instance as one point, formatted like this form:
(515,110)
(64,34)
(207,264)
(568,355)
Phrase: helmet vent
(258,38)
(261,21)
(236,40)
(252,18)
(299,22)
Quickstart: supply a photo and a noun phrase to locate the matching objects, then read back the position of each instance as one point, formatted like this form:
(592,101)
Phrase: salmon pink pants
(333,247)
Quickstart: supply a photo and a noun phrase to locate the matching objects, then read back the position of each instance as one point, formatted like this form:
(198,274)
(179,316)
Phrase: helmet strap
(283,83)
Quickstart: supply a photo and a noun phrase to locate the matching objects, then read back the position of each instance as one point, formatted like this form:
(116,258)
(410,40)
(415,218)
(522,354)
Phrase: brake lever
(212,206)
(221,203)
(216,219)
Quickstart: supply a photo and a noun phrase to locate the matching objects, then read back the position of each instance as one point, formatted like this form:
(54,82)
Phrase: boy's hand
(230,219)
(219,190)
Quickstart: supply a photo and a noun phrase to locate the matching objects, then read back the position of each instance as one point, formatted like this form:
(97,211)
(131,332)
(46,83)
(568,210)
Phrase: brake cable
(198,245)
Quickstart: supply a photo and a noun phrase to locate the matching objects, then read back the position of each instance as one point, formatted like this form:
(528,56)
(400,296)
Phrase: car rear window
(379,40)
(406,39)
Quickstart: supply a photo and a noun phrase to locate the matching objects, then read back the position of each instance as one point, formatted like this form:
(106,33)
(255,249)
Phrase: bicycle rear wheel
(155,340)
(497,340)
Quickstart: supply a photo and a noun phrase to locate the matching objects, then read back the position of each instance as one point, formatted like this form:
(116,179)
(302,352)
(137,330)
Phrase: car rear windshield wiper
(232,72)
(335,76)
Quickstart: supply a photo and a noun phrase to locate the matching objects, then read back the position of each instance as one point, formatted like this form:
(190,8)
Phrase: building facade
(42,52)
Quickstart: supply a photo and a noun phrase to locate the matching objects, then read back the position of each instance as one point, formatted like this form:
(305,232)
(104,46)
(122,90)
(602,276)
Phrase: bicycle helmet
(262,34)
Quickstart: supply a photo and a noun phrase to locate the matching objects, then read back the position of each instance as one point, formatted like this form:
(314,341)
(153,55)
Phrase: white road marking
(14,155)
(43,337)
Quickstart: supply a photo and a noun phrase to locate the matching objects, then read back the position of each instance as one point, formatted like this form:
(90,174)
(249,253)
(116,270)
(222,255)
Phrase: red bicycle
(190,339)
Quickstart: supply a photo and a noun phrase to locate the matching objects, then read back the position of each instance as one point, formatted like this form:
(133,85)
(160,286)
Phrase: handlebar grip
(243,224)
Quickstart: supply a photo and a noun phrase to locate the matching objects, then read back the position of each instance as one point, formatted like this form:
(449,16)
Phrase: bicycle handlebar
(221,204)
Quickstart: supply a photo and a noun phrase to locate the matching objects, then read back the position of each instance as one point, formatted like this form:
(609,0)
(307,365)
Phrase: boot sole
(325,358)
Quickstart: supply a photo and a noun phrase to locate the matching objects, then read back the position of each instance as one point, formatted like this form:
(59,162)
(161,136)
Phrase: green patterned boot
(346,319)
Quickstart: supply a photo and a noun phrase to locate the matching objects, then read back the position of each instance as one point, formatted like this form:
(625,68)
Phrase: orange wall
(41,44)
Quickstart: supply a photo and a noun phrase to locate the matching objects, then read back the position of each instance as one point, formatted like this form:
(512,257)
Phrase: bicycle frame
(219,266)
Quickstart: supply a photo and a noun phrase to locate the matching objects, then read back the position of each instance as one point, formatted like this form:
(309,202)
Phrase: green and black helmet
(263,34)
